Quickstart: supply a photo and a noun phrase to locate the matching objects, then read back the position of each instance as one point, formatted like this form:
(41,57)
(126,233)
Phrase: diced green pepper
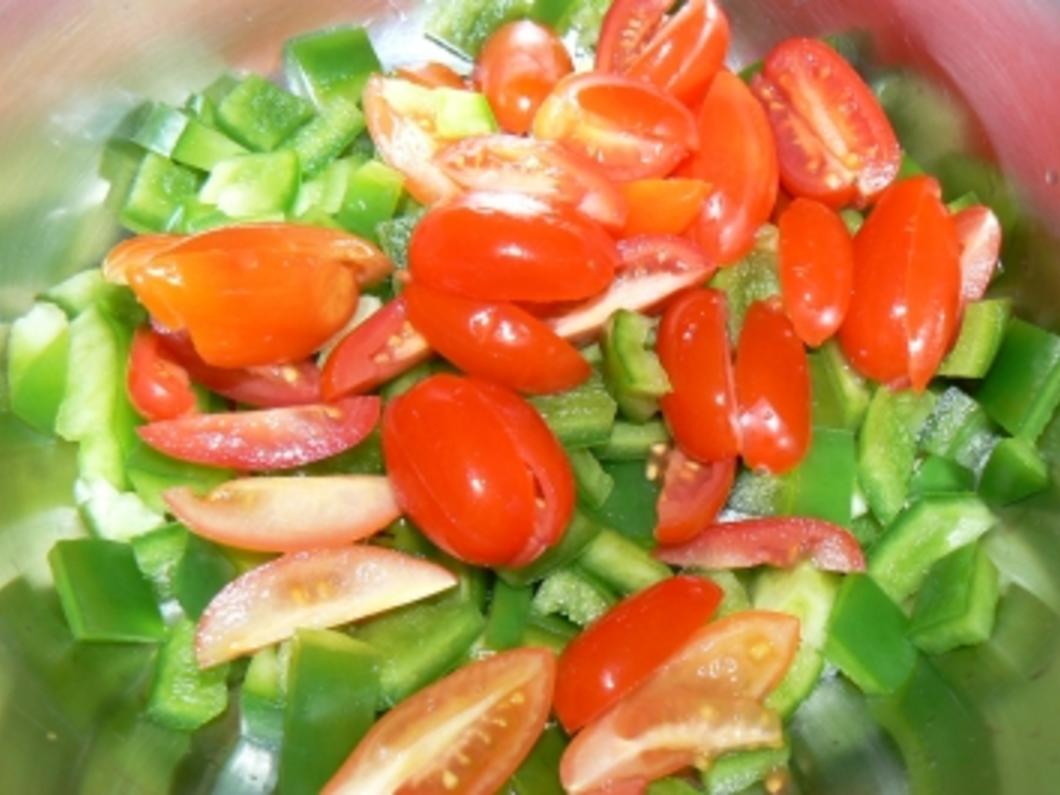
(937,475)
(77,293)
(1022,389)
(394,236)
(866,529)
(183,697)
(37,349)
(112,514)
(150,473)
(754,278)
(324,192)
(508,615)
(321,140)
(982,331)
(958,429)
(620,564)
(580,532)
(580,417)
(1014,471)
(202,572)
(550,632)
(204,103)
(957,602)
(840,395)
(465,25)
(172,133)
(822,485)
(372,195)
(573,595)
(671,786)
(254,186)
(632,370)
(157,193)
(261,699)
(733,773)
(461,114)
(261,115)
(853,220)
(592,480)
(867,637)
(798,683)
(756,494)
(330,65)
(539,772)
(158,553)
(630,441)
(630,508)
(963,202)
(735,596)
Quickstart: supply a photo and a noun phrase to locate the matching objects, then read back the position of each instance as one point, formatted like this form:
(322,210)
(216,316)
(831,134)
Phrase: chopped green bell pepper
(671,786)
(822,485)
(174,134)
(255,186)
(372,195)
(183,697)
(574,595)
(539,772)
(1014,471)
(508,615)
(150,473)
(325,137)
(260,115)
(461,114)
(632,370)
(733,773)
(735,596)
(112,514)
(754,278)
(630,441)
(630,508)
(937,475)
(37,349)
(465,25)
(158,554)
(261,698)
(394,236)
(958,429)
(1022,389)
(982,331)
(593,482)
(330,65)
(840,395)
(957,602)
(621,564)
(581,417)
(580,532)
(203,570)
(157,193)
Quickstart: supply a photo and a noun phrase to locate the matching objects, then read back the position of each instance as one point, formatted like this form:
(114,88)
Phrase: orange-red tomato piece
(158,387)
(431,75)
(663,206)
(979,236)
(691,496)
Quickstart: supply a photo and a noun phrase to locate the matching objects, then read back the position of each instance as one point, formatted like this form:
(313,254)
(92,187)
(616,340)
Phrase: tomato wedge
(268,439)
(625,646)
(545,169)
(466,733)
(511,247)
(704,701)
(311,589)
(630,128)
(134,251)
(517,67)
(691,496)
(979,236)
(431,75)
(737,157)
(663,206)
(816,269)
(498,496)
(694,350)
(496,341)
(773,390)
(777,541)
(287,514)
(834,141)
(158,387)
(679,53)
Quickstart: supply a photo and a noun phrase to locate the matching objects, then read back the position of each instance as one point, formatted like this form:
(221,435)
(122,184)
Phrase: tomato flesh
(158,387)
(663,206)
(979,235)
(431,75)
(691,496)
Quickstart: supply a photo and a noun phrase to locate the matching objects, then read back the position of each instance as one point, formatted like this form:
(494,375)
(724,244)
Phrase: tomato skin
(511,247)
(431,75)
(517,68)
(662,206)
(737,156)
(628,127)
(158,387)
(979,234)
(834,141)
(496,341)
(679,53)
(134,251)
(627,644)
(691,497)
(816,269)
(425,434)
(693,346)
(773,390)
(426,745)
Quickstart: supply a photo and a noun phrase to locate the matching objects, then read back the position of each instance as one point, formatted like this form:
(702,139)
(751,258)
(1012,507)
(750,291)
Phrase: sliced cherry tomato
(772,390)
(265,440)
(431,75)
(517,68)
(287,514)
(496,341)
(466,733)
(662,206)
(624,647)
(816,269)
(694,350)
(704,701)
(401,120)
(738,159)
(691,497)
(834,141)
(134,251)
(511,247)
(778,541)
(545,169)
(629,127)
(679,53)
(907,283)
(158,387)
(496,496)
(311,589)
(979,236)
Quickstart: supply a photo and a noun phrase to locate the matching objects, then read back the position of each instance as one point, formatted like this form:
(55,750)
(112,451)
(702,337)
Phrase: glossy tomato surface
(158,387)
(691,496)
(663,206)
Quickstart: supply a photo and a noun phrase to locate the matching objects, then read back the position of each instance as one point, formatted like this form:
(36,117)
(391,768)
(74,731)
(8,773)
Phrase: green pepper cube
(958,429)
(332,693)
(327,136)
(183,697)
(539,772)
(632,370)
(203,104)
(580,532)
(867,637)
(620,564)
(203,570)
(466,25)
(157,127)
(580,417)
(103,594)
(330,64)
(1014,471)
(252,186)
(822,485)
(631,441)
(37,349)
(394,236)
(113,514)
(372,195)
(262,698)
(734,773)
(798,683)
(840,395)
(574,595)
(1022,389)
(593,482)
(734,593)
(203,147)
(261,115)
(150,473)
(982,331)
(172,133)
(509,613)
(158,553)
(937,475)
(630,508)
(754,278)
(957,603)
(461,114)
(671,786)
(157,192)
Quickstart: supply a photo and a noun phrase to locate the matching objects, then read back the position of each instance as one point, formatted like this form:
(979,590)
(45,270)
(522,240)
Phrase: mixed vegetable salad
(424,407)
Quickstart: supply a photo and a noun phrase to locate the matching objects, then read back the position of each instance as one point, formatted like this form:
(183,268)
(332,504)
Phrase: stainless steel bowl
(973,85)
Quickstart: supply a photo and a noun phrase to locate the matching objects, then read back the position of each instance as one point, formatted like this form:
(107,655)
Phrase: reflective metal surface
(970,83)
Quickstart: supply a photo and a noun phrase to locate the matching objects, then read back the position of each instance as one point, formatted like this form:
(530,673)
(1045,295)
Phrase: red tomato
(679,53)
(496,341)
(979,236)
(311,589)
(816,269)
(907,283)
(545,169)
(401,120)
(738,159)
(134,250)
(511,247)
(287,514)
(265,440)
(694,350)
(627,126)
(705,700)
(691,497)
(496,496)
(662,206)
(466,733)
(772,389)
(517,68)
(778,541)
(431,75)
(625,646)
(834,141)
(158,387)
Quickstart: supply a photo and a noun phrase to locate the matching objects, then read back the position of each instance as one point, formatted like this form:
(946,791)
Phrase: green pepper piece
(150,473)
(756,494)
(261,699)
(461,114)
(203,104)
(183,697)
(372,196)
(631,506)
(733,773)
(840,395)
(112,514)
(957,602)
(671,786)
(621,564)
(260,115)
(853,220)
(172,133)
(798,683)
(325,137)
(580,532)
(574,595)
(37,349)
(256,186)
(822,485)
(1022,389)
(203,570)
(508,615)
(735,597)
(322,195)
(394,236)
(539,772)
(158,554)
(592,480)
(330,65)
(581,417)
(632,371)
(550,632)
(866,529)
(465,25)
(937,475)
(157,193)
(982,331)
(754,278)
(1014,471)
(633,442)
(958,429)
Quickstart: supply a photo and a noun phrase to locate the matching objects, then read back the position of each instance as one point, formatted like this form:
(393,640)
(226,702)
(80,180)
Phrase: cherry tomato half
(691,496)
(517,68)
(629,127)
(979,235)
(477,469)
(834,141)
(431,75)
(158,387)
(679,53)
(663,206)
(625,646)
